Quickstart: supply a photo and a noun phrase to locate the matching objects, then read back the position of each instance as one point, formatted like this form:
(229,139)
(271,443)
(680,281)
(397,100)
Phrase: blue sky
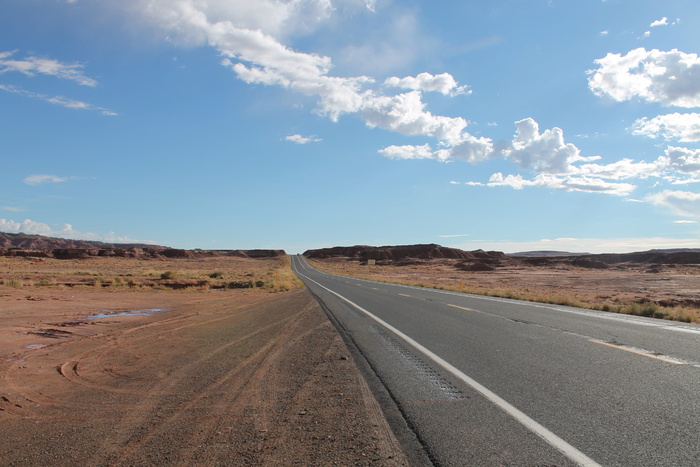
(295,124)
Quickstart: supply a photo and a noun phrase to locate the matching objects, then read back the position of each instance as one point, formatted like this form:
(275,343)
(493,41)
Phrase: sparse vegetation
(264,275)
(13,283)
(541,294)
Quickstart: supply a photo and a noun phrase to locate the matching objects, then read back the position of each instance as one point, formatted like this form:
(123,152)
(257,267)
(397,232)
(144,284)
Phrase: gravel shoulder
(200,378)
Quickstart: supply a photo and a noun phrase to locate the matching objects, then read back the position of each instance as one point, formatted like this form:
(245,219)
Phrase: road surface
(489,381)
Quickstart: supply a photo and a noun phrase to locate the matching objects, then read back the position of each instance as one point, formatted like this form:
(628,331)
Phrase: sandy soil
(216,377)
(677,286)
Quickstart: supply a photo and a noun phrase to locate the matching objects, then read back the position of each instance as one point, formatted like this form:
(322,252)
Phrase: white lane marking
(553,440)
(460,307)
(643,353)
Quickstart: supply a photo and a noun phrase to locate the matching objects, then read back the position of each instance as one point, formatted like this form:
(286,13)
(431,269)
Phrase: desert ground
(670,292)
(226,360)
(123,361)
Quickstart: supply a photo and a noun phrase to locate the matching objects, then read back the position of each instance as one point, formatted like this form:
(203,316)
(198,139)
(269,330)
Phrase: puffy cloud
(186,18)
(684,203)
(668,78)
(57,100)
(659,22)
(406,114)
(683,127)
(409,152)
(31,227)
(470,149)
(298,139)
(543,152)
(32,66)
(663,22)
(443,83)
(27,226)
(683,160)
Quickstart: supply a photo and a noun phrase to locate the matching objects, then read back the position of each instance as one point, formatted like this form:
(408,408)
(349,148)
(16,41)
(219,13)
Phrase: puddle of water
(111,314)
(34,346)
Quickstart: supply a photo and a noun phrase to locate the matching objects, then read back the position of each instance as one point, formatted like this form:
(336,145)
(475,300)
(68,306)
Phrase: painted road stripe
(460,307)
(553,440)
(404,295)
(637,352)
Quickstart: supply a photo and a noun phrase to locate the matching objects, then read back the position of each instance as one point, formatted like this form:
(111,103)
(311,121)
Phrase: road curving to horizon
(491,381)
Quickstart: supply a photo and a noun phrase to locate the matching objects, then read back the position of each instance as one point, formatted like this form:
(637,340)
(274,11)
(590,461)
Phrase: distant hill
(472,260)
(544,254)
(39,242)
(400,252)
(38,246)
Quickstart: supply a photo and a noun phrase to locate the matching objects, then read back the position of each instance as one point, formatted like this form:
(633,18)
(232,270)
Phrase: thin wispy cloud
(57,100)
(42,179)
(32,66)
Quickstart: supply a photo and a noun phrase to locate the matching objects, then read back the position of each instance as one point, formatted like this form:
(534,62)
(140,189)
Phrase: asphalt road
(489,381)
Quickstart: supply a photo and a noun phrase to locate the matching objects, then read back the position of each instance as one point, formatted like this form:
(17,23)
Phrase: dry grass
(628,292)
(264,274)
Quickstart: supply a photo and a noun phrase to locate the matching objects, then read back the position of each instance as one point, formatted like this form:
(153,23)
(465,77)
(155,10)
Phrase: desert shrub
(45,282)
(216,275)
(169,275)
(14,282)
(647,309)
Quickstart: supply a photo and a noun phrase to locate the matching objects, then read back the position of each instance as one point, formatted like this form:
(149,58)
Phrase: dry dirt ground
(203,377)
(676,286)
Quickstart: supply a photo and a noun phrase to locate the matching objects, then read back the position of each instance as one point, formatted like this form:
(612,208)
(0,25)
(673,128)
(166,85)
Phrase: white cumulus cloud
(443,83)
(31,227)
(298,139)
(406,114)
(669,78)
(545,152)
(682,127)
(408,152)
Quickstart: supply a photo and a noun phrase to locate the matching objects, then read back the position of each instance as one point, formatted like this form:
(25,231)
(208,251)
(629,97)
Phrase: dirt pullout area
(181,378)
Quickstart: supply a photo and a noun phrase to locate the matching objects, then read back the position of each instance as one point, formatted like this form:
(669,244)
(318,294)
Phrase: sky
(509,125)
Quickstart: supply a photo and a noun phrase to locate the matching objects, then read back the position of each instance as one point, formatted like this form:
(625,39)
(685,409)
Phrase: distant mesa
(544,254)
(401,253)
(479,260)
(38,246)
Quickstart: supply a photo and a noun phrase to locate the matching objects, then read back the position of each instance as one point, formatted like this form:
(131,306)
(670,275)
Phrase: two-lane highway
(489,381)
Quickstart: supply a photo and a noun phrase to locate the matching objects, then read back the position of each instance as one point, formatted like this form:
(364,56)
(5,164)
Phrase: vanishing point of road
(487,381)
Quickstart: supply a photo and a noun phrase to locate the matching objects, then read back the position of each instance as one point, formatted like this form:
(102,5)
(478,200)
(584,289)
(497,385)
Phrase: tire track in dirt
(263,381)
(143,422)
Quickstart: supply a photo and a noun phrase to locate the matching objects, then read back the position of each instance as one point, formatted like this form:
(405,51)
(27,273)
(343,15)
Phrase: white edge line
(562,446)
